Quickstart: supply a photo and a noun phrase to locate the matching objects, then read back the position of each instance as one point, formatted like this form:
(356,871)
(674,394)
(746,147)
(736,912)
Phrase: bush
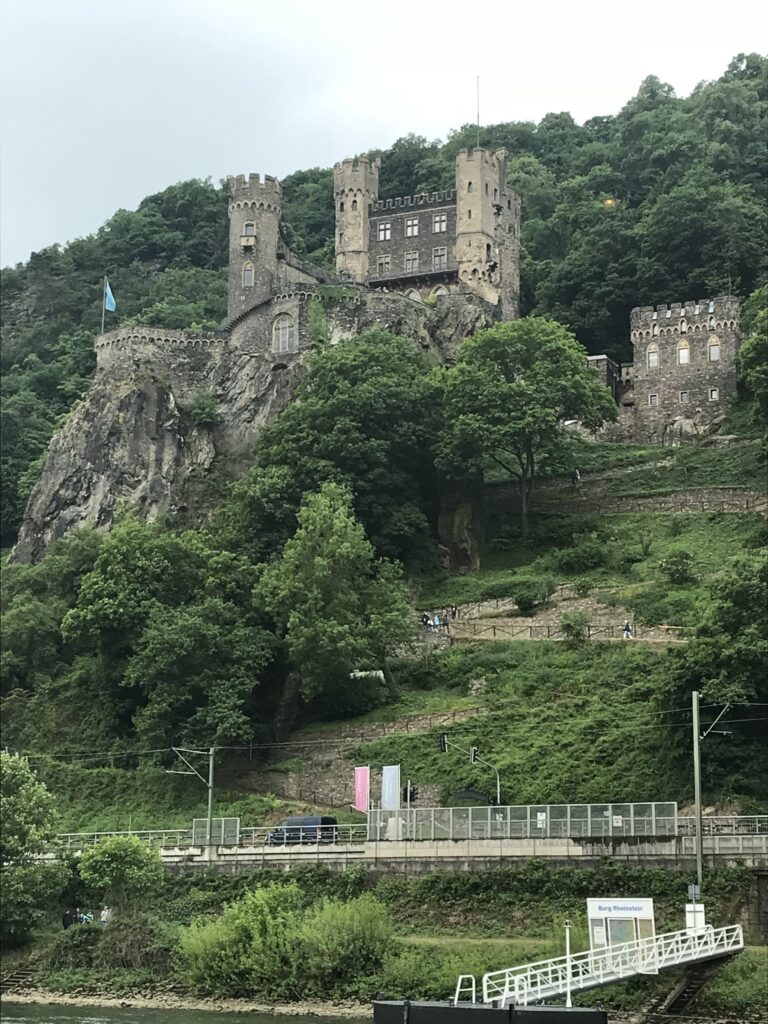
(135,943)
(582,588)
(589,553)
(657,606)
(204,409)
(677,567)
(531,591)
(122,870)
(342,942)
(76,947)
(575,627)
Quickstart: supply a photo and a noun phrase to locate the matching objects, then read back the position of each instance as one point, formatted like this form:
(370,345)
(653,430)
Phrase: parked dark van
(308,829)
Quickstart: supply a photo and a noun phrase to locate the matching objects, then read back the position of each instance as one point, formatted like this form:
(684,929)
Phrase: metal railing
(520,986)
(527,821)
(531,821)
(482,629)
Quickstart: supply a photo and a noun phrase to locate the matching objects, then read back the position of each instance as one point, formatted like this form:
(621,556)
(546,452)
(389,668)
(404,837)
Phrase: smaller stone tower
(487,245)
(254,232)
(355,186)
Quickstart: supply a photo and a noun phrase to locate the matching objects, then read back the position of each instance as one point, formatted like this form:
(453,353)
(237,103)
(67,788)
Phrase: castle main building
(466,239)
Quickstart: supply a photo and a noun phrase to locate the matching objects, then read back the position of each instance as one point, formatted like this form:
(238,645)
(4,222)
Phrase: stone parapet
(151,344)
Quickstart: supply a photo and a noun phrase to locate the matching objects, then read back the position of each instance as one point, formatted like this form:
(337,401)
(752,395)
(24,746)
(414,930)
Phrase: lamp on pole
(180,751)
(568,1001)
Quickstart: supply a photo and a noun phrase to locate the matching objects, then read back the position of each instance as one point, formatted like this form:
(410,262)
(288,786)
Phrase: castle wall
(355,187)
(669,390)
(397,218)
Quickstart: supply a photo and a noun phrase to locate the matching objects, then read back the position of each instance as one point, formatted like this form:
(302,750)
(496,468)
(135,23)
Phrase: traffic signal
(413,795)
(443,742)
(473,755)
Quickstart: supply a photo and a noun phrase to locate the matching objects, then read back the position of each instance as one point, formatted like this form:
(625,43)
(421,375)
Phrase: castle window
(653,399)
(509,204)
(354,204)
(284,334)
(385,230)
(488,252)
(495,195)
(683,353)
(249,228)
(714,394)
(411,262)
(413,294)
(341,207)
(469,215)
(439,223)
(714,350)
(440,258)
(684,397)
(248,275)
(437,292)
(469,186)
(411,227)
(383,265)
(486,188)
(652,353)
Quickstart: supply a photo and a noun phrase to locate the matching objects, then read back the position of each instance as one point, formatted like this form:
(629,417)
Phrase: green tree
(124,870)
(508,397)
(27,812)
(753,354)
(27,829)
(338,606)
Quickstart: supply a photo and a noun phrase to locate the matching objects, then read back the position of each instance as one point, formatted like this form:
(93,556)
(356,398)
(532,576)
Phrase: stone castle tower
(465,240)
(255,208)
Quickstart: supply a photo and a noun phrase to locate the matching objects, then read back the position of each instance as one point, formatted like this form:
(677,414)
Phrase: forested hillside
(666,200)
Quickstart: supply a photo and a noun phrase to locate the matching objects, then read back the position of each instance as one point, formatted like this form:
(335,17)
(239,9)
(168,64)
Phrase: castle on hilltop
(435,268)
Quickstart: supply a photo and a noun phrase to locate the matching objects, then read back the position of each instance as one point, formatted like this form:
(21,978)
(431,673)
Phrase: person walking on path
(627,631)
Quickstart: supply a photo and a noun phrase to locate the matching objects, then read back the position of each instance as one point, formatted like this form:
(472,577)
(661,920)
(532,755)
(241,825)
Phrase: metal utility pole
(697,787)
(568,1000)
(180,751)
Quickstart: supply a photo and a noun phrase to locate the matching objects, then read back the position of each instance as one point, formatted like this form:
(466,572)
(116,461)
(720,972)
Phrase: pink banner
(362,788)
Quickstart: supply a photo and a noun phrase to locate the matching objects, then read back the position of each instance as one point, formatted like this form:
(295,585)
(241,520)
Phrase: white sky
(107,101)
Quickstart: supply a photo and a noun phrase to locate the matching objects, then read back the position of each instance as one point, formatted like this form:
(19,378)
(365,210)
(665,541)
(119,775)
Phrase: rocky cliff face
(134,437)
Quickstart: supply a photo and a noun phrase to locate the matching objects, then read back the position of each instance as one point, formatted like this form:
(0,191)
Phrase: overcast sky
(105,102)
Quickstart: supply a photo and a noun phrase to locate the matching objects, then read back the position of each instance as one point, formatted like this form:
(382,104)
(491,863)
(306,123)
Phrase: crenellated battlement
(496,161)
(408,202)
(252,184)
(148,345)
(709,312)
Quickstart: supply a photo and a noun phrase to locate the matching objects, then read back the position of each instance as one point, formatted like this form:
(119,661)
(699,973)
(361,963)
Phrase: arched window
(469,186)
(248,275)
(486,188)
(354,204)
(714,350)
(341,206)
(652,356)
(413,294)
(284,334)
(683,353)
(655,330)
(249,228)
(488,253)
(440,290)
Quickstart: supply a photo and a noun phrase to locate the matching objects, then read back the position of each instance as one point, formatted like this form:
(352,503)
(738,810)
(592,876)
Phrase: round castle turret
(255,207)
(355,186)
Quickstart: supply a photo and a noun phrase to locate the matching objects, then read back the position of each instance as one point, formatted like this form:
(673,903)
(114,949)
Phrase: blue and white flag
(109,298)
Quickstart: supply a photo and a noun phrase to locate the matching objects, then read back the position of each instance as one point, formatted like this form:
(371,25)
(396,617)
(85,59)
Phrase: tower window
(714,350)
(384,265)
(440,258)
(652,355)
(385,230)
(411,262)
(509,204)
(683,353)
(469,186)
(684,397)
(714,394)
(354,204)
(284,334)
(486,188)
(248,275)
(439,223)
(440,290)
(653,399)
(488,253)
(411,227)
(341,207)
(495,195)
(249,228)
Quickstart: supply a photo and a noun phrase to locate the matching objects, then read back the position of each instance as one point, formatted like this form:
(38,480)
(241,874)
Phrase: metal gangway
(523,986)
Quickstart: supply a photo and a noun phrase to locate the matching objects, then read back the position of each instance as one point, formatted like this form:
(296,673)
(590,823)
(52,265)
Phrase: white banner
(390,787)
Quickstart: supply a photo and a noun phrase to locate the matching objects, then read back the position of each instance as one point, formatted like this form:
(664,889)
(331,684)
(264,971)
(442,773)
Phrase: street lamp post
(568,1001)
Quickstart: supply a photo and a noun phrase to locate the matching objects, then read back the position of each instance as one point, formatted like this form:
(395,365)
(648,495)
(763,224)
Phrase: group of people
(440,620)
(78,916)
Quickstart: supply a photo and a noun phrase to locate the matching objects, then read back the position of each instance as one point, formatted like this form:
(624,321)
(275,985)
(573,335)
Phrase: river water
(32,1013)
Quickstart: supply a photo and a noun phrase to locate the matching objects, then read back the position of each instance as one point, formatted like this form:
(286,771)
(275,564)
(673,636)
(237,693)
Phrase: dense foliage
(665,200)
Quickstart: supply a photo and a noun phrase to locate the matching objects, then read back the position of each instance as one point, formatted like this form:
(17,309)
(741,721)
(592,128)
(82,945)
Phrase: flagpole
(103,301)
